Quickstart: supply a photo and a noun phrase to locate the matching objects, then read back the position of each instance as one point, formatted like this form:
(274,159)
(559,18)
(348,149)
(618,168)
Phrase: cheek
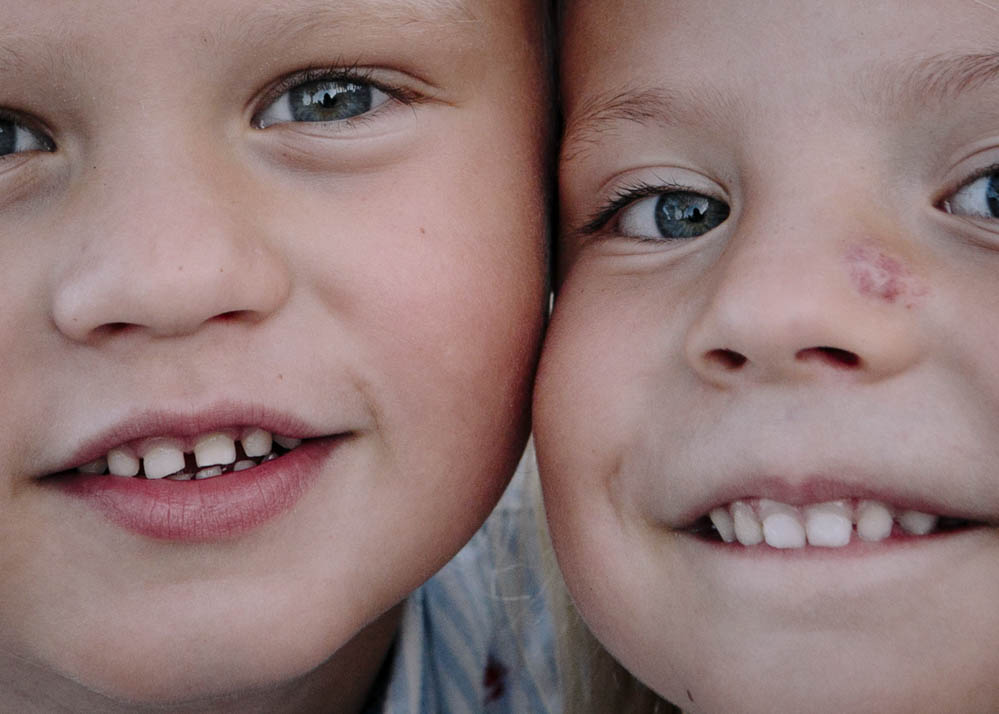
(882,277)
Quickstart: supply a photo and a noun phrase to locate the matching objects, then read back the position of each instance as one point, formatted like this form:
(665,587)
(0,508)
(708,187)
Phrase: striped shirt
(477,636)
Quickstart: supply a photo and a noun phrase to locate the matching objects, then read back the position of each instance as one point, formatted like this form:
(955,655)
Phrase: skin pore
(322,220)
(776,291)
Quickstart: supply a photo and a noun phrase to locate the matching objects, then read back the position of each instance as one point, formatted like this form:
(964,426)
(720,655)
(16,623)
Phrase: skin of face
(379,278)
(834,337)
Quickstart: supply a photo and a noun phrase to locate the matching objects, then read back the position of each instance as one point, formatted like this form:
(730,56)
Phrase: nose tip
(167,272)
(797,330)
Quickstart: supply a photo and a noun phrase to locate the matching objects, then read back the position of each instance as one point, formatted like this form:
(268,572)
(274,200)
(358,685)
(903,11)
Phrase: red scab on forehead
(878,275)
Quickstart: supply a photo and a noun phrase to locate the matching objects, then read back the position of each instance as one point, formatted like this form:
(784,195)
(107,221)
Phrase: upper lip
(184,425)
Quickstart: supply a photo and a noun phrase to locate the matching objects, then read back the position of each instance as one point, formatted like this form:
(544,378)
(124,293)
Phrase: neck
(340,685)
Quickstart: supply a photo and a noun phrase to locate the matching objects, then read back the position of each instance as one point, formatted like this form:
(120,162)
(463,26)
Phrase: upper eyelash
(966,181)
(339,73)
(623,197)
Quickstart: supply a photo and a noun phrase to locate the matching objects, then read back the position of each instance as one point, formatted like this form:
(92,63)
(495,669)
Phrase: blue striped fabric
(477,638)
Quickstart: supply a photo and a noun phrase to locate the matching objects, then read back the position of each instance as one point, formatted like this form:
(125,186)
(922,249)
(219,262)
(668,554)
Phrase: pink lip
(208,510)
(201,510)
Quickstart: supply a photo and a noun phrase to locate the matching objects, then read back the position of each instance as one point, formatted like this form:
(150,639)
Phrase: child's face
(180,260)
(778,280)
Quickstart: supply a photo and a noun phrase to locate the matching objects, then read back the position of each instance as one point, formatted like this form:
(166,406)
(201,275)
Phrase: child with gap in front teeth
(274,285)
(766,408)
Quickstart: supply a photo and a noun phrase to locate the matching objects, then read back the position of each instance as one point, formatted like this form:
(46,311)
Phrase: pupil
(685,214)
(992,195)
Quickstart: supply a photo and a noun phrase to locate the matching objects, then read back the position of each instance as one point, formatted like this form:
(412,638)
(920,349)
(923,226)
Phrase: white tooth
(287,441)
(782,527)
(210,472)
(123,462)
(244,464)
(917,523)
(213,449)
(270,457)
(98,466)
(162,459)
(256,442)
(874,521)
(828,525)
(180,477)
(721,519)
(747,526)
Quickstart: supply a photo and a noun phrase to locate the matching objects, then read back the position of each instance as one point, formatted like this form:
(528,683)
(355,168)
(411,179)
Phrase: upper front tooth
(782,527)
(748,530)
(122,461)
(214,449)
(828,524)
(721,519)
(256,442)
(162,459)
(917,523)
(874,521)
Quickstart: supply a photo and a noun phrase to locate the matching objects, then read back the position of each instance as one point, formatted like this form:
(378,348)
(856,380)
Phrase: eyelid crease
(625,196)
(963,182)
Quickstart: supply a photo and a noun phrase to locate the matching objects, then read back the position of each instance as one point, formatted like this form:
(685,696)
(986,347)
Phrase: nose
(164,246)
(806,301)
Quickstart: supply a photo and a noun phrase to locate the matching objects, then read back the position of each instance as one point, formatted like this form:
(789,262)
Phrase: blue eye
(15,138)
(977,199)
(672,215)
(322,100)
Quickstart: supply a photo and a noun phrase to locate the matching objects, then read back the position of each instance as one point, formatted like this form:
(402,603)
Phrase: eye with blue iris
(336,96)
(660,213)
(977,197)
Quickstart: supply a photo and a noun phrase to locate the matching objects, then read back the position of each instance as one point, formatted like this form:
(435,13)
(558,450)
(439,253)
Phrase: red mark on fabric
(878,275)
(494,680)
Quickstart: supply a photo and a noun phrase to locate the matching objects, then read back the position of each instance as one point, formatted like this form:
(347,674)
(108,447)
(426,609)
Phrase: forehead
(737,49)
(66,27)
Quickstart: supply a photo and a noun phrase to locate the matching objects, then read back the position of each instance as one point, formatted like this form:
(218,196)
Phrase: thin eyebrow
(940,78)
(297,17)
(603,114)
(896,89)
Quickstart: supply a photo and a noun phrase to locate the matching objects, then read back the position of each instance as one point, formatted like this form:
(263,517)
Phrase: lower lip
(213,509)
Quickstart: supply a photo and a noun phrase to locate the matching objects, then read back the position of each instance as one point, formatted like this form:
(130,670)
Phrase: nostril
(833,356)
(726,359)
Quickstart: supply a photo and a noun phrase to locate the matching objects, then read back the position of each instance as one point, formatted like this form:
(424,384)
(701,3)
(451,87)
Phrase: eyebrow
(603,114)
(290,16)
(894,90)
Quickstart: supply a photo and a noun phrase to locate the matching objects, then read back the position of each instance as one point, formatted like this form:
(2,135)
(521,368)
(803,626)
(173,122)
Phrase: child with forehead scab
(274,285)
(766,410)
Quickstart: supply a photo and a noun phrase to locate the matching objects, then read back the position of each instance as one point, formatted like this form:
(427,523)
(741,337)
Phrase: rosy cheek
(880,276)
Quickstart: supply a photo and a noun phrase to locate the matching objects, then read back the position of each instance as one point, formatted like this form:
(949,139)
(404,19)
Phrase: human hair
(591,679)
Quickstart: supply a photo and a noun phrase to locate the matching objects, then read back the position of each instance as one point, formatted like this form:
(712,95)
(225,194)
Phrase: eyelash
(963,183)
(338,73)
(623,197)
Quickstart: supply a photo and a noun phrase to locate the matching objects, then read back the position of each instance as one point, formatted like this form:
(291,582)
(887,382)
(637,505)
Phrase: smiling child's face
(227,221)
(777,304)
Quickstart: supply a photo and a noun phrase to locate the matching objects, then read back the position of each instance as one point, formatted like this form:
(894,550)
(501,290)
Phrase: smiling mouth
(206,456)
(831,524)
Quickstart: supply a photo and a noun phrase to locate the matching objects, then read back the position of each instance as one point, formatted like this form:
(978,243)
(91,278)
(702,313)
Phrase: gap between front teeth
(214,453)
(826,525)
